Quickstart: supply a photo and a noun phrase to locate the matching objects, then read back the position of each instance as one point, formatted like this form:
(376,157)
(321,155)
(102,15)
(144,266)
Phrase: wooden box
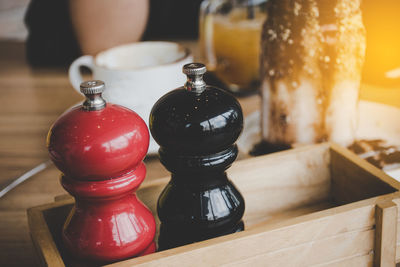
(313,206)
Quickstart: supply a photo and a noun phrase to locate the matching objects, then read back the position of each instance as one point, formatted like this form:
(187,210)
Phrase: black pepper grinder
(196,127)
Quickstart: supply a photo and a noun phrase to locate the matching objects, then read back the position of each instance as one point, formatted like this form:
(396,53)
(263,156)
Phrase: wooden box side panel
(397,202)
(386,234)
(350,225)
(272,185)
(324,237)
(283,181)
(364,260)
(42,238)
(320,251)
(354,179)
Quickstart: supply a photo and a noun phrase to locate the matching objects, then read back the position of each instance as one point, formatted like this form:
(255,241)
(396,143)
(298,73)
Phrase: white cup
(136,75)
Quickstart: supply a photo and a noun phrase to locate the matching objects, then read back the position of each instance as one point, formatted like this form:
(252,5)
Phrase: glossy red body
(95,145)
(100,154)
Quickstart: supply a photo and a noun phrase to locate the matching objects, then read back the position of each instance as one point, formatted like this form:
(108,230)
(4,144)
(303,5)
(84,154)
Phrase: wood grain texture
(310,231)
(350,226)
(363,260)
(302,176)
(354,179)
(386,234)
(346,230)
(397,202)
(316,252)
(36,221)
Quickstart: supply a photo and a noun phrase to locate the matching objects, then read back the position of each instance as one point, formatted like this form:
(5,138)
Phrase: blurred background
(381,19)
(12,19)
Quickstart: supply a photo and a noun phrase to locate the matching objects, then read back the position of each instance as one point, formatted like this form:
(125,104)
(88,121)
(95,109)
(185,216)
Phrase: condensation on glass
(311,62)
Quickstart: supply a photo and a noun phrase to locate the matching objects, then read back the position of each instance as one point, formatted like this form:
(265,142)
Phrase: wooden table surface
(30,101)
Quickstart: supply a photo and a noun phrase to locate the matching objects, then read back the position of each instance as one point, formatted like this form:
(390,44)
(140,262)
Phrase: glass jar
(230,35)
(312,57)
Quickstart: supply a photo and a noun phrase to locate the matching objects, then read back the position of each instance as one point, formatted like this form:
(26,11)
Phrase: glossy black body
(196,133)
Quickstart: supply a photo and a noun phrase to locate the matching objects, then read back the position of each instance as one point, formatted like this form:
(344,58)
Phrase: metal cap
(194,69)
(92,90)
(194,73)
(92,87)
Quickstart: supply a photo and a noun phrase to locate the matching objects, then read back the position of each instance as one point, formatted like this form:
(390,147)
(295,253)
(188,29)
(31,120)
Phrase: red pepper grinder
(99,148)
